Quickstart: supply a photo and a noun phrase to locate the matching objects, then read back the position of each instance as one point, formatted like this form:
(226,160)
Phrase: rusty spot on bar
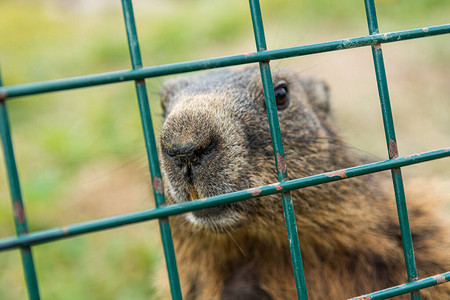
(281,163)
(277,186)
(158,185)
(341,173)
(361,298)
(439,278)
(425,29)
(202,199)
(140,81)
(65,230)
(19,212)
(249,54)
(393,151)
(254,191)
(395,170)
(377,46)
(418,155)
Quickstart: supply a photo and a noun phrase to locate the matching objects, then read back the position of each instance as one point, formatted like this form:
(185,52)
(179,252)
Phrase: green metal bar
(48,235)
(196,65)
(152,154)
(278,151)
(407,287)
(392,148)
(44,236)
(17,203)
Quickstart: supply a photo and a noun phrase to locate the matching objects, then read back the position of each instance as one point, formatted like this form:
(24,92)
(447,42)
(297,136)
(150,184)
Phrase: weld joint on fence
(377,46)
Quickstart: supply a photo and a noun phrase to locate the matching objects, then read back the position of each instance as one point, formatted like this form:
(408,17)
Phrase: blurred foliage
(71,146)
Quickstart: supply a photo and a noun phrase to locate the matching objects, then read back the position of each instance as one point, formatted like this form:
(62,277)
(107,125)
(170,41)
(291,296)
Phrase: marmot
(215,139)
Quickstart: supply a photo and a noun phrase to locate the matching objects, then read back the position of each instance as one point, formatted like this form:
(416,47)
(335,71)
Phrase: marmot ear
(170,88)
(318,95)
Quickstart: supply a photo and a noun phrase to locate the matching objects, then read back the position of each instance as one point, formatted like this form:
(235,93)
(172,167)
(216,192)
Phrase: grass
(80,153)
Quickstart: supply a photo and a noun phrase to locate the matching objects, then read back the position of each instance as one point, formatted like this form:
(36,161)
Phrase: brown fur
(216,140)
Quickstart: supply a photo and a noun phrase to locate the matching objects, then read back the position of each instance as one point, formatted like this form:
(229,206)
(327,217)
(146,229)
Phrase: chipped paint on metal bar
(440,278)
(281,163)
(19,212)
(158,186)
(254,191)
(392,149)
(277,186)
(340,173)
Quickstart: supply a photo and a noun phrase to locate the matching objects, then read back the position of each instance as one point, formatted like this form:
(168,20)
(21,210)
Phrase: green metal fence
(25,240)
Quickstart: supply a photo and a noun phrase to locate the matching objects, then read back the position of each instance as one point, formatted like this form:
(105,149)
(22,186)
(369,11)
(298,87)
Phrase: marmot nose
(190,154)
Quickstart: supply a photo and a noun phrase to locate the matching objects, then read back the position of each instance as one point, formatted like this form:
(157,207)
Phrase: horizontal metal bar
(195,65)
(44,236)
(407,287)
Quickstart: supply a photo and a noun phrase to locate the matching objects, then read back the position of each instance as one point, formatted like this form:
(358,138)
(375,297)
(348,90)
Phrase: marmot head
(216,139)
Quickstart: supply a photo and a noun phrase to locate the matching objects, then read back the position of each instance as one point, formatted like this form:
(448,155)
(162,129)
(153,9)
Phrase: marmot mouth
(217,219)
(214,216)
(213,213)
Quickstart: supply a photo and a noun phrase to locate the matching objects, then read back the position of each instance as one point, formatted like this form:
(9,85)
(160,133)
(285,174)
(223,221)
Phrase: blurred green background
(81,155)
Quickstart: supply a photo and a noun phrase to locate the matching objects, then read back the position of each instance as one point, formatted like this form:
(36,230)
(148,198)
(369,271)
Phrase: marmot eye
(281,95)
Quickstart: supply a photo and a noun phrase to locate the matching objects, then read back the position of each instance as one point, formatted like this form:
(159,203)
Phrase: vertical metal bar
(392,147)
(280,161)
(17,203)
(152,155)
